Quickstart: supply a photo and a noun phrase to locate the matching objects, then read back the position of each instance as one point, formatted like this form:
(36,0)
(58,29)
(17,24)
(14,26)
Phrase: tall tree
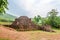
(52,14)
(3,6)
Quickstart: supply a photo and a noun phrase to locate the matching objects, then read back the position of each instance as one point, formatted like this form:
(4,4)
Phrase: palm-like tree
(3,6)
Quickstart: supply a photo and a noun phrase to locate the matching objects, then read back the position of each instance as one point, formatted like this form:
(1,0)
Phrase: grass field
(29,35)
(3,39)
(5,23)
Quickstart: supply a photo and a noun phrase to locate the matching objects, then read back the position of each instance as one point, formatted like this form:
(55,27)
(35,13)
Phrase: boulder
(24,23)
(46,28)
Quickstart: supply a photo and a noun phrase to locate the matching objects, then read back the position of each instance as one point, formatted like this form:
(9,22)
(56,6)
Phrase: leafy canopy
(3,6)
(52,14)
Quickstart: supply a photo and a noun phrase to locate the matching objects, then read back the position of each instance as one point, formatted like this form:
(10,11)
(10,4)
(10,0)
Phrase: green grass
(6,19)
(3,39)
(5,23)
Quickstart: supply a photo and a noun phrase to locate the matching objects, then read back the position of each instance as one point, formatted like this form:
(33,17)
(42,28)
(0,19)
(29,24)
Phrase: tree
(52,14)
(3,6)
(57,22)
(37,20)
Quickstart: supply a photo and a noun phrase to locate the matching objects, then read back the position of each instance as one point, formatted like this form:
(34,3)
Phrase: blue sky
(32,8)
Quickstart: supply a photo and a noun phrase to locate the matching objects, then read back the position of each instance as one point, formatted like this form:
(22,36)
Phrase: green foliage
(3,6)
(51,17)
(57,22)
(37,20)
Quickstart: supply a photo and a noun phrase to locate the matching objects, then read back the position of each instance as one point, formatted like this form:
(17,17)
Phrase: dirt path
(29,35)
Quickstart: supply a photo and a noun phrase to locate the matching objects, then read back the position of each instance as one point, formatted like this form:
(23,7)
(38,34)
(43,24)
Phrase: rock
(46,28)
(24,23)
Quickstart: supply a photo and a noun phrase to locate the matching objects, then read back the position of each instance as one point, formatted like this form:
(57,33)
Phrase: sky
(32,8)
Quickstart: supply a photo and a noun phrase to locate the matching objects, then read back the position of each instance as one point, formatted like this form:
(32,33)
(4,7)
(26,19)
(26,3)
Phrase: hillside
(7,17)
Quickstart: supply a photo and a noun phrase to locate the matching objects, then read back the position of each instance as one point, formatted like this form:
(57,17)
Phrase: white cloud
(36,7)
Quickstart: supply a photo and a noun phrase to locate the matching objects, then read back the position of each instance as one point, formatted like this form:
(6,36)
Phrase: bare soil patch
(12,34)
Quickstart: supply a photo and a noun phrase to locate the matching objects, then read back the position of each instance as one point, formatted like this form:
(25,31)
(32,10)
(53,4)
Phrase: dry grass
(28,35)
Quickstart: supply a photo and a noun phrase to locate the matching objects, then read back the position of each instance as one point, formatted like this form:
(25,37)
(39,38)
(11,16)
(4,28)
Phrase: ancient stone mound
(46,28)
(24,23)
